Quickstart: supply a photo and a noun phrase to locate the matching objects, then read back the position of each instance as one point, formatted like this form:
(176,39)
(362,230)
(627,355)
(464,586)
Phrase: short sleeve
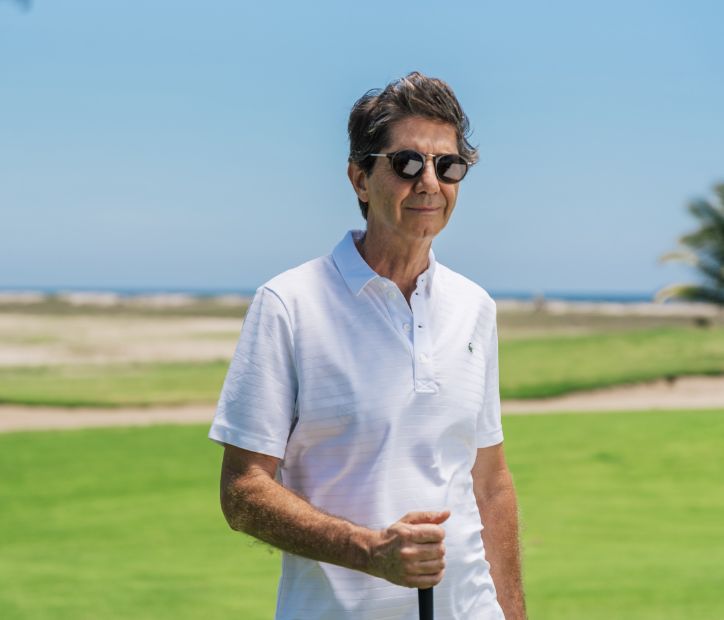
(489,425)
(257,403)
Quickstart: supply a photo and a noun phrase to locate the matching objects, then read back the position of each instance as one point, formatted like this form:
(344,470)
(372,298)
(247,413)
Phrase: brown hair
(374,114)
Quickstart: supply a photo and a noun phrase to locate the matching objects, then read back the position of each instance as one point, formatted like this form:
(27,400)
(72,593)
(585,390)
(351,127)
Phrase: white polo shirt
(376,409)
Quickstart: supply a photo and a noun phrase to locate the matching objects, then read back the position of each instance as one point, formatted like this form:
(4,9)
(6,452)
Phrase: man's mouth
(423,208)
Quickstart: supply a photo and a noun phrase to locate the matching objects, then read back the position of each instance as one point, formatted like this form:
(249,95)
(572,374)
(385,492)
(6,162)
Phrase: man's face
(413,209)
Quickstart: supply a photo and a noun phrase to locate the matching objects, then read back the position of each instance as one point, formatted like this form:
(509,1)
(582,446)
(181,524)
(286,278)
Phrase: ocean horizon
(572,296)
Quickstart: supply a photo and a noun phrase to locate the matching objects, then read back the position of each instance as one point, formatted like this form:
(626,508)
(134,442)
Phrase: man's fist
(411,551)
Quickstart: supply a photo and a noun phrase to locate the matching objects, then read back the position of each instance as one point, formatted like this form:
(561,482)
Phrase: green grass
(622,513)
(113,385)
(530,368)
(621,518)
(524,323)
(542,367)
(123,523)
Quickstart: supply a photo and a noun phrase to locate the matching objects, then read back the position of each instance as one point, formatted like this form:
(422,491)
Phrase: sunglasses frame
(435,160)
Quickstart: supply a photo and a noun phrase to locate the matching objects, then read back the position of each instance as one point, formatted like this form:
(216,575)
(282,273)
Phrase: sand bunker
(681,393)
(50,340)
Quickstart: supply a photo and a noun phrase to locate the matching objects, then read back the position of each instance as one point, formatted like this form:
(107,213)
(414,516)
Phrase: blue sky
(203,145)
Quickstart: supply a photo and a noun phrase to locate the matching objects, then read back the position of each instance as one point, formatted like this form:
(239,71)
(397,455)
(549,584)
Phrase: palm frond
(682,256)
(710,215)
(703,238)
(712,272)
(719,191)
(691,292)
(703,250)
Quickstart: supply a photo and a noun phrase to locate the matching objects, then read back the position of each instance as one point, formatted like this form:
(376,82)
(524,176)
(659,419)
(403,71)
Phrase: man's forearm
(409,552)
(259,506)
(500,537)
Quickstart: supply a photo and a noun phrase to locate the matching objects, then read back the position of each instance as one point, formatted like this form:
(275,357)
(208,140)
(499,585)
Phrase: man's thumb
(428,516)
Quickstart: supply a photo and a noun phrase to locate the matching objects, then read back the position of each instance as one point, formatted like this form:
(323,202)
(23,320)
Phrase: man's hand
(411,551)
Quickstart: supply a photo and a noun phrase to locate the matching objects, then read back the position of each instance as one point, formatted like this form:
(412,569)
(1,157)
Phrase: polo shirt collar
(357,274)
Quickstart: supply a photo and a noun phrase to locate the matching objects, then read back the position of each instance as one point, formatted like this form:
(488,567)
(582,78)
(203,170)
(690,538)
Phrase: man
(361,413)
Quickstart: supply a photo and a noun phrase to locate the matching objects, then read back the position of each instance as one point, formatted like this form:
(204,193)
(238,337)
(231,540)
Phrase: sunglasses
(409,164)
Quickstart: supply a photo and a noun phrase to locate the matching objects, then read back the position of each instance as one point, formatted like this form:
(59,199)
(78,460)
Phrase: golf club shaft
(424,599)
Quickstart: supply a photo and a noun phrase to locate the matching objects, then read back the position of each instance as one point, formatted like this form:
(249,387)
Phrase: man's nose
(428,182)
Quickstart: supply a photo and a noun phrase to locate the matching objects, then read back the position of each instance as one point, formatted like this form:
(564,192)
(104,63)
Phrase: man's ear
(358,178)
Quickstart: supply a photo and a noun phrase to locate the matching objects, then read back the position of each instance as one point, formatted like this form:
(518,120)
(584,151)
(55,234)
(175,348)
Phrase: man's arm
(495,495)
(409,553)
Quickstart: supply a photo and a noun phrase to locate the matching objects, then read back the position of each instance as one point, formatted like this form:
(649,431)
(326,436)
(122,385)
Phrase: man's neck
(400,260)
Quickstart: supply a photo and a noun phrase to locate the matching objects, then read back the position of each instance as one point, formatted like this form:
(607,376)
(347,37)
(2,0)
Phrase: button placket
(422,345)
(399,311)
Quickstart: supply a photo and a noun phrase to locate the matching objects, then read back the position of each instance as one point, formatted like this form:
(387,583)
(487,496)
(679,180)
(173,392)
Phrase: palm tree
(703,249)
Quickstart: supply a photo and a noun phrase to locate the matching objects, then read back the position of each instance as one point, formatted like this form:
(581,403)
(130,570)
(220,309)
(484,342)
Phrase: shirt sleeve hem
(491,438)
(225,435)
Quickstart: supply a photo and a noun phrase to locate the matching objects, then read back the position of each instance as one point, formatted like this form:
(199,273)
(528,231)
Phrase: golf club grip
(424,598)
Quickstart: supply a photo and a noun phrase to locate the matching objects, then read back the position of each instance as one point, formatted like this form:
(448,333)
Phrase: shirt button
(390,295)
(406,327)
(423,357)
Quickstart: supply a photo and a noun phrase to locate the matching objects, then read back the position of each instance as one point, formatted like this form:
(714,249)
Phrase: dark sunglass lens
(451,168)
(408,164)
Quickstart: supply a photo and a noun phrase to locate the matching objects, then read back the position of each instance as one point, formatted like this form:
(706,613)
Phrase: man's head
(375,114)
